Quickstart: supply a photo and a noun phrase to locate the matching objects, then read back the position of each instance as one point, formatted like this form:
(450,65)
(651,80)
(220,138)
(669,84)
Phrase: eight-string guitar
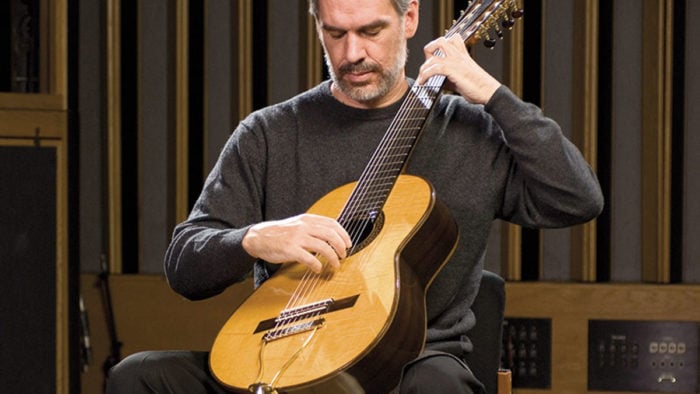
(358,325)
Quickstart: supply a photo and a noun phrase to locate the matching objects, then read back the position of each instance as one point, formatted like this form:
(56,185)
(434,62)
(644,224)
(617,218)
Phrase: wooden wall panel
(584,122)
(656,139)
(34,131)
(150,316)
(570,306)
(145,308)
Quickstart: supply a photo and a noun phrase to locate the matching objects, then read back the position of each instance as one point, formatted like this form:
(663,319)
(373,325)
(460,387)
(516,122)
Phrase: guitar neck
(390,157)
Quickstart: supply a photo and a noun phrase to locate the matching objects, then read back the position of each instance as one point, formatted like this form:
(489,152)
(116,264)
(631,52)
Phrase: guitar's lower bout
(376,319)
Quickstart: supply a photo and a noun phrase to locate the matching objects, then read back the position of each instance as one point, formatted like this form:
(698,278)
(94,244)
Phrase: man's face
(365,49)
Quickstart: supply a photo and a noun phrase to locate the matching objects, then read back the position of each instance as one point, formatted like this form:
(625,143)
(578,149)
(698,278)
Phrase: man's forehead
(355,14)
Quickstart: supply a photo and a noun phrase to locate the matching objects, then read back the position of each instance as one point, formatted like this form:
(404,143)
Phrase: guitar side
(377,323)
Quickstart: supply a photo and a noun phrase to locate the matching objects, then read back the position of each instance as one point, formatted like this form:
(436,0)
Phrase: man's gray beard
(369,93)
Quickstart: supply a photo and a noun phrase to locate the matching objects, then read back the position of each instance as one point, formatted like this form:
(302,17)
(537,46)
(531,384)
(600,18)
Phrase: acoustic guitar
(355,327)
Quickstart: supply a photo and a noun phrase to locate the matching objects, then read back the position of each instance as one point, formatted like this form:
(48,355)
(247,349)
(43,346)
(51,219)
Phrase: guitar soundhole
(364,230)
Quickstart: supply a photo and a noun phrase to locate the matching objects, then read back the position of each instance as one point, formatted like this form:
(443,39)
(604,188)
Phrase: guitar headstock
(482,17)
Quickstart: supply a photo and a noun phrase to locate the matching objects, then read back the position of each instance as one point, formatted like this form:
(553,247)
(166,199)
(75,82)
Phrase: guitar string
(310,280)
(433,86)
(359,203)
(409,119)
(378,177)
(367,198)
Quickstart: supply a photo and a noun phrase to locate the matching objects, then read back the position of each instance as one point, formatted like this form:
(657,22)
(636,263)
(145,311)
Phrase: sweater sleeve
(206,254)
(549,183)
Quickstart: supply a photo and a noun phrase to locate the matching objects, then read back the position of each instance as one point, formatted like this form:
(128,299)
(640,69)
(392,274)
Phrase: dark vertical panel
(75,350)
(532,79)
(260,56)
(677,140)
(20,47)
(155,133)
(5,47)
(605,52)
(129,136)
(28,269)
(532,57)
(491,59)
(557,58)
(283,42)
(196,101)
(691,147)
(626,150)
(91,89)
(427,31)
(220,33)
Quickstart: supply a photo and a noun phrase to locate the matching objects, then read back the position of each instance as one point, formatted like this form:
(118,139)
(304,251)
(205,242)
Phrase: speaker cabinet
(33,318)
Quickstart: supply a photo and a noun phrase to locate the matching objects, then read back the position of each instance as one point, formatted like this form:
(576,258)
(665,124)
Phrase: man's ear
(411,19)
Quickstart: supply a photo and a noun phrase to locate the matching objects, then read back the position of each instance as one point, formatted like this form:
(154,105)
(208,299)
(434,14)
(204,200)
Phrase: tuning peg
(508,23)
(489,42)
(499,32)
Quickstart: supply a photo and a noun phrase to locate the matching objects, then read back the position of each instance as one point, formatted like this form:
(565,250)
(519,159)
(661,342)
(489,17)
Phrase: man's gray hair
(401,6)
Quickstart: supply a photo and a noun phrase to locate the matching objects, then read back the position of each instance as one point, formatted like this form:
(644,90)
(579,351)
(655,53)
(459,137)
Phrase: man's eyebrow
(377,24)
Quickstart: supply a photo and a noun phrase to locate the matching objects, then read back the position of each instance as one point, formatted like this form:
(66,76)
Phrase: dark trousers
(188,372)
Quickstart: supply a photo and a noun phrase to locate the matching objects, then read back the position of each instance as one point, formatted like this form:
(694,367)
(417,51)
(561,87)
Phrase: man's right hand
(307,239)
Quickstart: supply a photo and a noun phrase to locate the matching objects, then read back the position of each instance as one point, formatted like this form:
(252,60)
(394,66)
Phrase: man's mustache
(360,67)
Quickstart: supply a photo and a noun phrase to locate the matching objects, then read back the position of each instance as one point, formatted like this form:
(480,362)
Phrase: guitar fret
(397,147)
(406,137)
(416,119)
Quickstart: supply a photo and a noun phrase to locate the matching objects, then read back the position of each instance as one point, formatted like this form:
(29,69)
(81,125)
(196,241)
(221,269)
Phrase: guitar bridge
(281,327)
(294,315)
(304,311)
(292,330)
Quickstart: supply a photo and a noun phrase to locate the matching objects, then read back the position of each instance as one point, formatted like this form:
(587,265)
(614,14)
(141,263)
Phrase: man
(487,154)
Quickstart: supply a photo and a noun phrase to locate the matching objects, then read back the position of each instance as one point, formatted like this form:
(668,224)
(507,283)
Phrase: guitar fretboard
(388,160)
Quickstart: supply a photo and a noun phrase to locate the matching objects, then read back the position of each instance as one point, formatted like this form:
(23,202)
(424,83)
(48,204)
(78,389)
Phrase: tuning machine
(507,22)
(510,17)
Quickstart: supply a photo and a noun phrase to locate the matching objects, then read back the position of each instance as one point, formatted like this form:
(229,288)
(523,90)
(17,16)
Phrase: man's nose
(354,49)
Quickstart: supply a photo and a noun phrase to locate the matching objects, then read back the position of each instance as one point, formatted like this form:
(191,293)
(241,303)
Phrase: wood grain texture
(386,326)
(571,305)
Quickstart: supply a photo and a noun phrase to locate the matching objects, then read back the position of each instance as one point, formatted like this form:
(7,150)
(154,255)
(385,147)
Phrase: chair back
(486,335)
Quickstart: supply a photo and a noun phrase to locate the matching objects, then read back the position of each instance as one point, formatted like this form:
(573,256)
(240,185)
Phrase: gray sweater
(504,160)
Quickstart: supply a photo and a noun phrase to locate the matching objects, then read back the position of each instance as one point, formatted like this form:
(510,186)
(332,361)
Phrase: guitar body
(377,319)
